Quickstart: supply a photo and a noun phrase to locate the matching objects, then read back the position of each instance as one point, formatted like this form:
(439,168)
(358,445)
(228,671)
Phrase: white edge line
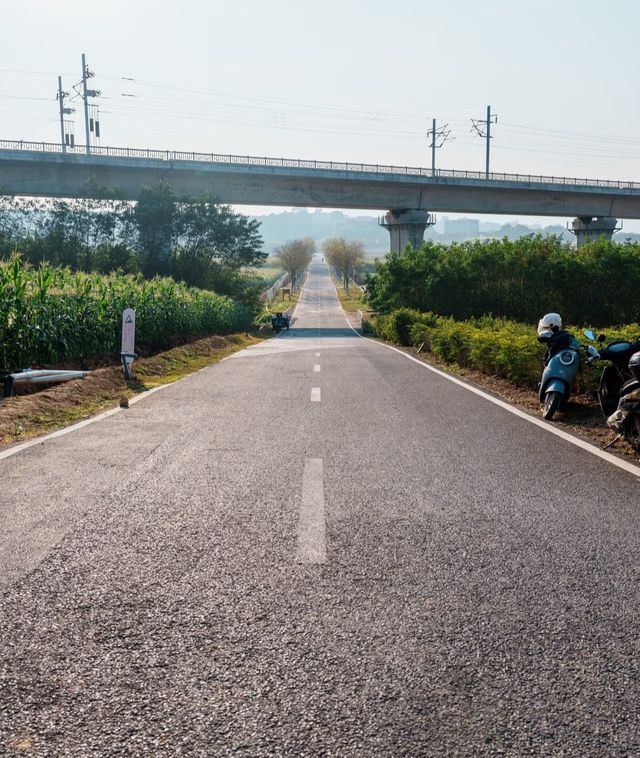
(302,286)
(619,462)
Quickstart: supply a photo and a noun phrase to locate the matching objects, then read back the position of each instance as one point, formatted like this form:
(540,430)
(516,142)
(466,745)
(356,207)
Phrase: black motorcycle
(619,389)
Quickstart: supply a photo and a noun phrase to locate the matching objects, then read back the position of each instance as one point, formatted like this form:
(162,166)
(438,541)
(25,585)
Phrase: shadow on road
(318,332)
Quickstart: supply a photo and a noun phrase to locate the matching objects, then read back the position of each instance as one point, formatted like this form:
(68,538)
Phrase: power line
(263,99)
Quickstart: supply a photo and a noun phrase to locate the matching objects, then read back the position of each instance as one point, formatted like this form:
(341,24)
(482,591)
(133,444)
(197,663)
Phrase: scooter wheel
(552,402)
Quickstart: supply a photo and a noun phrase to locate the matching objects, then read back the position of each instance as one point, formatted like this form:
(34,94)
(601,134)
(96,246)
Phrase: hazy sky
(346,80)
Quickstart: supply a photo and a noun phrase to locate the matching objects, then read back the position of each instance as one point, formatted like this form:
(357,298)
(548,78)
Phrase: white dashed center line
(316,368)
(312,542)
(315,395)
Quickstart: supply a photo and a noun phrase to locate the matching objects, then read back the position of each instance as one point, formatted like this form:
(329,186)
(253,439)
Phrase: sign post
(128,344)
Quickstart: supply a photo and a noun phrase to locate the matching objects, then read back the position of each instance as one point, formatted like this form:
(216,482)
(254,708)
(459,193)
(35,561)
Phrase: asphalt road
(317,547)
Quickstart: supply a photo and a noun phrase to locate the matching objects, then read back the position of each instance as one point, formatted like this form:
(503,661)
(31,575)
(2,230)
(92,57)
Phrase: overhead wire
(295,116)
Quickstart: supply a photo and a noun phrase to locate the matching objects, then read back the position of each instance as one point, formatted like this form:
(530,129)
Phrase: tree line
(597,284)
(295,258)
(198,241)
(344,257)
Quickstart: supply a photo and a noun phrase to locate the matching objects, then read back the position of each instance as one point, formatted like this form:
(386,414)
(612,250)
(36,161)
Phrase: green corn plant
(52,314)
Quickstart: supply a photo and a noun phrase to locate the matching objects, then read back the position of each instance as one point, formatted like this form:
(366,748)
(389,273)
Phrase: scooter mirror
(591,350)
(589,334)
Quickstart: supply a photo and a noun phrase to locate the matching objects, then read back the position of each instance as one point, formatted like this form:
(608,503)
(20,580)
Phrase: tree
(199,241)
(344,257)
(208,231)
(214,248)
(295,257)
(154,218)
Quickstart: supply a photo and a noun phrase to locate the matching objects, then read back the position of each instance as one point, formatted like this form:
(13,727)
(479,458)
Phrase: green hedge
(494,346)
(519,280)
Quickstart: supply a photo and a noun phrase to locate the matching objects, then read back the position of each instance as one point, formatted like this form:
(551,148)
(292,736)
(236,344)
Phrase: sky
(339,80)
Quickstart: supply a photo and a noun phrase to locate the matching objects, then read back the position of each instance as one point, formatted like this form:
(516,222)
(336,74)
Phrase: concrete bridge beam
(406,227)
(589,229)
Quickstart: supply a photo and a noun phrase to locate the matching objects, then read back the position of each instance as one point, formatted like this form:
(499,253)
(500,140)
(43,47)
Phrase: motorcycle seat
(629,386)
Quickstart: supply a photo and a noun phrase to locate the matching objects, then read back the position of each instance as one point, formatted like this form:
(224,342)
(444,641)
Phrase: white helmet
(552,322)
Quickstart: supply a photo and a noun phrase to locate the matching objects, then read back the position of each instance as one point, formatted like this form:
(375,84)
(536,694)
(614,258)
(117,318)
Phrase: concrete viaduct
(409,196)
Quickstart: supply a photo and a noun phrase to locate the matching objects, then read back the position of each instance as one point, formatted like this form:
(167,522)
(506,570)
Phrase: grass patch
(270,271)
(352,301)
(278,305)
(31,415)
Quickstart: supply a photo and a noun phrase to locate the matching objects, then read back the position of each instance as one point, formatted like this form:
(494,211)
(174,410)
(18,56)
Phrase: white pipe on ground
(40,376)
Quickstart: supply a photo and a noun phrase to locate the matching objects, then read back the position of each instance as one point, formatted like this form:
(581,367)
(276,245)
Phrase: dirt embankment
(34,413)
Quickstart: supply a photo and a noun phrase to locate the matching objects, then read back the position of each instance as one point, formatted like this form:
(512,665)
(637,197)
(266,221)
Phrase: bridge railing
(178,156)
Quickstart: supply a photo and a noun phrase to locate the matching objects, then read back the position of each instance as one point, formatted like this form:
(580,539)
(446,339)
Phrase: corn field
(50,314)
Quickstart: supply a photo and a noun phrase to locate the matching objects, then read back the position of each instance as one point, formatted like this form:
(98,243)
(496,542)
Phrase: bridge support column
(406,227)
(589,229)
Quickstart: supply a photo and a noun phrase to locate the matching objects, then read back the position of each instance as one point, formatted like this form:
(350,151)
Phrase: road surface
(317,547)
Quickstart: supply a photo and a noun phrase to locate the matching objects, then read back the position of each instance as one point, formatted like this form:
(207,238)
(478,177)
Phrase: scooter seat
(630,386)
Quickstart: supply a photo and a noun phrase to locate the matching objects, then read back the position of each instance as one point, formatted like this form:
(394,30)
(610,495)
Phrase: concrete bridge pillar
(406,227)
(589,229)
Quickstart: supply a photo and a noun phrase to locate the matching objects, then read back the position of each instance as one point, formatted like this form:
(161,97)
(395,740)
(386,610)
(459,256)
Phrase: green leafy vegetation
(51,314)
(520,280)
(495,346)
(345,258)
(194,240)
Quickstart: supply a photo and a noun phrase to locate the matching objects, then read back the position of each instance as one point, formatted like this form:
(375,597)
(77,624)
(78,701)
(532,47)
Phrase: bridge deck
(41,168)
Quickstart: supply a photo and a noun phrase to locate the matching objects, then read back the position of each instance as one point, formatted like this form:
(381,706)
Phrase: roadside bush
(396,326)
(520,280)
(495,346)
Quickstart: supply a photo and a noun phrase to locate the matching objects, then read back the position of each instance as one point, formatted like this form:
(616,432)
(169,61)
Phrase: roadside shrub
(404,326)
(520,280)
(396,326)
(495,346)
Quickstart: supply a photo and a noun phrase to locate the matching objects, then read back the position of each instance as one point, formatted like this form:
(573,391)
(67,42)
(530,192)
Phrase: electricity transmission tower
(438,138)
(482,127)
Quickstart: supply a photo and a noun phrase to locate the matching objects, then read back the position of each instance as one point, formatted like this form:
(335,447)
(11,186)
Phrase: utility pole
(85,71)
(438,138)
(86,94)
(482,127)
(63,112)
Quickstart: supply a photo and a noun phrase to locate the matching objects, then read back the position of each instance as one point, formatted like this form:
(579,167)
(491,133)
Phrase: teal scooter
(562,362)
